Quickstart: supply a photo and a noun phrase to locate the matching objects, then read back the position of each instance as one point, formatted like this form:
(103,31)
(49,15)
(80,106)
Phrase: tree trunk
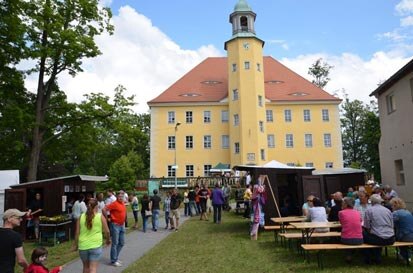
(38,131)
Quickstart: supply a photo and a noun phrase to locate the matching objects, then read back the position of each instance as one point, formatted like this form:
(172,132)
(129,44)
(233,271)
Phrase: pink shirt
(350,220)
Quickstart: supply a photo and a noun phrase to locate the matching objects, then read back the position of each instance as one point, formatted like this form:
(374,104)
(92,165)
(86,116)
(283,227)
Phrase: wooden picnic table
(288,219)
(284,221)
(307,228)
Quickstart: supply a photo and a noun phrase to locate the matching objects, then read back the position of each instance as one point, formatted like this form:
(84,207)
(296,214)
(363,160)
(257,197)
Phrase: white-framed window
(236,147)
(259,67)
(189,116)
(325,115)
(207,116)
(308,139)
(234,67)
(291,164)
(269,115)
(247,65)
(271,141)
(189,142)
(327,140)
(262,153)
(307,115)
(260,101)
(391,103)
(206,170)
(235,94)
(171,117)
(171,142)
(224,116)
(171,171)
(289,140)
(309,164)
(329,165)
(225,141)
(236,120)
(398,164)
(287,115)
(261,125)
(189,170)
(207,142)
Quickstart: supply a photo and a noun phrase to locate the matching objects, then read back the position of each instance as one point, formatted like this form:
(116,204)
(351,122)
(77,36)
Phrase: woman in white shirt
(317,213)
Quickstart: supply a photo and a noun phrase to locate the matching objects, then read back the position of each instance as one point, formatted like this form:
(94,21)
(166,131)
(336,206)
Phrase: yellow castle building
(242,109)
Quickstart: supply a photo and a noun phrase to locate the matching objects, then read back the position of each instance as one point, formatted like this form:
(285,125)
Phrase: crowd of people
(379,219)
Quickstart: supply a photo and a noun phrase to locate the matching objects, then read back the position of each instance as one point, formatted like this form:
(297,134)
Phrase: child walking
(39,257)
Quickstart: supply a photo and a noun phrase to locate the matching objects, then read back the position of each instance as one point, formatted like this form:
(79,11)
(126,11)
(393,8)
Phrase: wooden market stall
(55,193)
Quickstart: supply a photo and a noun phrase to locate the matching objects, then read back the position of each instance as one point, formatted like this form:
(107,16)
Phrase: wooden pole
(272,193)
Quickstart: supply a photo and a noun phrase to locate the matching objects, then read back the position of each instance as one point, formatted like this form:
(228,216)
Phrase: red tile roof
(208,82)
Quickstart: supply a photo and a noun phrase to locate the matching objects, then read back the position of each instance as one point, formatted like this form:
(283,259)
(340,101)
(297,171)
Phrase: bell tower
(246,94)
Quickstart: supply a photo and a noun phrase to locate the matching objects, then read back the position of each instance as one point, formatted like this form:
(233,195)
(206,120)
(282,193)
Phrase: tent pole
(272,193)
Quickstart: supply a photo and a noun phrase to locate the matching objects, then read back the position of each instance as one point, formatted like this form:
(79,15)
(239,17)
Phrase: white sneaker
(119,261)
(117,264)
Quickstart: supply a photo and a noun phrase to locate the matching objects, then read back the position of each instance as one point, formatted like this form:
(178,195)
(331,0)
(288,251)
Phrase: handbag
(148,213)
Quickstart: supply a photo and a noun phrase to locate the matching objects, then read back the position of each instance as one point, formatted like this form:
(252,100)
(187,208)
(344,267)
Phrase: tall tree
(60,34)
(360,136)
(371,138)
(320,72)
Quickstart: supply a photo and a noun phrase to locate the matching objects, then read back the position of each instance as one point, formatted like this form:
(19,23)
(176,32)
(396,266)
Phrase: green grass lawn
(202,246)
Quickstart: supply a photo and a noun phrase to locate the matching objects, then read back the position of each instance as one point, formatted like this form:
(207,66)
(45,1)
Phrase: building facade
(395,101)
(245,108)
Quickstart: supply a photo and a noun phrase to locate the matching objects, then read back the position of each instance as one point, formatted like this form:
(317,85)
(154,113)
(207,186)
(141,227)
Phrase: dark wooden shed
(292,185)
(286,183)
(55,192)
(324,182)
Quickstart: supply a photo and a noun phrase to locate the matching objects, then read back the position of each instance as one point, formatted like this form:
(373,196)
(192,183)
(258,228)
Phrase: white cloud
(406,21)
(144,60)
(404,7)
(356,76)
(138,56)
(282,43)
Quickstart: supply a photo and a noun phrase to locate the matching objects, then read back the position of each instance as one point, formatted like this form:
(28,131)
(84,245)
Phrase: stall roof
(81,177)
(220,167)
(338,171)
(273,164)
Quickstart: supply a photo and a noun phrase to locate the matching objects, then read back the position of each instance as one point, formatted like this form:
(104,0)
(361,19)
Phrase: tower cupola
(242,20)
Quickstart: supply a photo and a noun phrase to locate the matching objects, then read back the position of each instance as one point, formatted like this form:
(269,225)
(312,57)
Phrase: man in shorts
(175,203)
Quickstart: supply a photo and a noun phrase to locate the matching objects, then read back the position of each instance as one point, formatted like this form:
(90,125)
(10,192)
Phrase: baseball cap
(13,213)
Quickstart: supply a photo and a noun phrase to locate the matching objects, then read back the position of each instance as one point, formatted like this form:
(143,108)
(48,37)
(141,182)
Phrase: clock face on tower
(246,45)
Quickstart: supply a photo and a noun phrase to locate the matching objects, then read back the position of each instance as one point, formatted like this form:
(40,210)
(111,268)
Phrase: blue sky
(304,26)
(157,42)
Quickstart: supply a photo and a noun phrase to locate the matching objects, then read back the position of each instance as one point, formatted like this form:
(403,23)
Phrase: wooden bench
(296,235)
(322,247)
(277,229)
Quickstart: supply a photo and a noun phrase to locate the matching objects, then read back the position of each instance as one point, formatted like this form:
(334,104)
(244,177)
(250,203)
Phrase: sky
(156,42)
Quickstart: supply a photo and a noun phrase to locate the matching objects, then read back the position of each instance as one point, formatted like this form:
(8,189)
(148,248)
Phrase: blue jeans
(217,213)
(167,219)
(186,209)
(155,219)
(117,233)
(144,221)
(192,204)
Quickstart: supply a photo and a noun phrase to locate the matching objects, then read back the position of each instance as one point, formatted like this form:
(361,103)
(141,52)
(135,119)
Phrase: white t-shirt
(78,209)
(248,180)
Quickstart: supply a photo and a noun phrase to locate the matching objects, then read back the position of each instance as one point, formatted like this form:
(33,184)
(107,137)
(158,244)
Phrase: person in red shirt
(39,257)
(117,212)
